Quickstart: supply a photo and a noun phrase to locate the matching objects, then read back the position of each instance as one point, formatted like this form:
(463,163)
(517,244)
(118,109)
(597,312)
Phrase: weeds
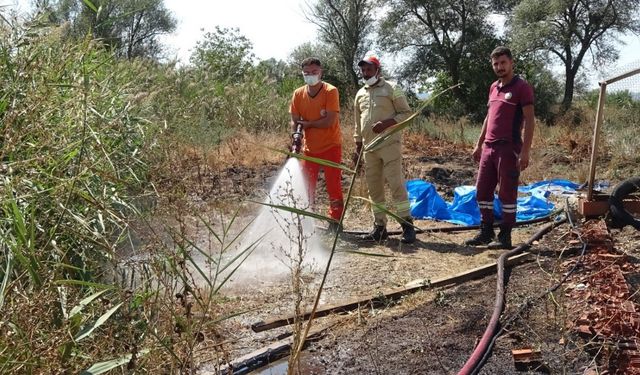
(70,170)
(299,235)
(76,142)
(441,299)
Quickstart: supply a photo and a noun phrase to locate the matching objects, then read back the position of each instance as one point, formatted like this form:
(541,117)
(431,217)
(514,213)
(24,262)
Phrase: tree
(129,27)
(546,88)
(452,37)
(344,25)
(571,30)
(141,23)
(225,54)
(285,77)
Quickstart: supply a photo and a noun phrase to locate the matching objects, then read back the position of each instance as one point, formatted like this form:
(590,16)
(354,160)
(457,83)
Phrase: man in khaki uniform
(378,106)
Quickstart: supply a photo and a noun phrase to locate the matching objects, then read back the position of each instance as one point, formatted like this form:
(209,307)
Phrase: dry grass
(242,149)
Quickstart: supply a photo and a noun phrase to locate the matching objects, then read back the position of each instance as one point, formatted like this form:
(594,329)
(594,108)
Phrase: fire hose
(474,363)
(529,301)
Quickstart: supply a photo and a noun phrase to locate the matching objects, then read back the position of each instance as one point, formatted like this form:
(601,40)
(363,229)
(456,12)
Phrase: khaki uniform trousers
(385,164)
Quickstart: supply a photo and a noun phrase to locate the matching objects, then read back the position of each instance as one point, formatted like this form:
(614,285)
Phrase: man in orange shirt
(316,106)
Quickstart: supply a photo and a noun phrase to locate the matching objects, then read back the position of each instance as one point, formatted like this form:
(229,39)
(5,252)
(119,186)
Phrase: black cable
(462,228)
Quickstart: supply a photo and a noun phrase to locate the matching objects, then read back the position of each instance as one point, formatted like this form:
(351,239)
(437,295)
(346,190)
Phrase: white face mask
(371,81)
(311,80)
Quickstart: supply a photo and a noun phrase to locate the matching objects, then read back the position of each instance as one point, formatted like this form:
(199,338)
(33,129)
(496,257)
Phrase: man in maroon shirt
(501,151)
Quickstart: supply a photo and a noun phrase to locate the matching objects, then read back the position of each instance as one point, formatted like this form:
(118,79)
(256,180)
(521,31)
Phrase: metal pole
(596,136)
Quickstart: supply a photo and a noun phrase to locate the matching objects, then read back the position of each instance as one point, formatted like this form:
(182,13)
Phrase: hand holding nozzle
(296,137)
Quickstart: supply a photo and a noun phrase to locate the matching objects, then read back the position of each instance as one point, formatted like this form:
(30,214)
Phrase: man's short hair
(310,61)
(501,51)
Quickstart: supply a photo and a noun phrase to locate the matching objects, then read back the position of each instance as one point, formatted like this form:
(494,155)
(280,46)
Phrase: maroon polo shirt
(505,117)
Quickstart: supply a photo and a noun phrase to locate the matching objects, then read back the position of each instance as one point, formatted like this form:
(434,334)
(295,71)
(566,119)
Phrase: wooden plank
(380,299)
(621,76)
(268,354)
(596,139)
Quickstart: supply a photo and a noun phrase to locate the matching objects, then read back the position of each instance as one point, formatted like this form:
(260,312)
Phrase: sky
(276,27)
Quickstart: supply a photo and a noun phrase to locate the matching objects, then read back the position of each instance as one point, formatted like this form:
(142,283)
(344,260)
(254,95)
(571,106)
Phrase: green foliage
(221,91)
(621,120)
(445,44)
(74,153)
(346,27)
(623,99)
(475,89)
(572,31)
(545,87)
(70,141)
(82,132)
(202,111)
(223,56)
(285,77)
(129,27)
(102,367)
(447,105)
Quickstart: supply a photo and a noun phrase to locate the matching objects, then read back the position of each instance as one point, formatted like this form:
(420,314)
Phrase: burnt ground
(430,332)
(437,334)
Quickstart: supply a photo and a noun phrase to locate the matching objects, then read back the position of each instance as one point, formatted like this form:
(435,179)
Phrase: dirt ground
(429,332)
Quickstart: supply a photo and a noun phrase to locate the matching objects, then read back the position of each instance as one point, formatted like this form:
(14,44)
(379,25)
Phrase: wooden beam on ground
(380,299)
(268,354)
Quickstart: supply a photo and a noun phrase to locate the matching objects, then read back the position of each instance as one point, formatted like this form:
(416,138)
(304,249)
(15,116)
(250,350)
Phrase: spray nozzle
(297,139)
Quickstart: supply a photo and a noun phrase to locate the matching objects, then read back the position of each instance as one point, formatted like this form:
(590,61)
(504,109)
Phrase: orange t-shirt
(314,108)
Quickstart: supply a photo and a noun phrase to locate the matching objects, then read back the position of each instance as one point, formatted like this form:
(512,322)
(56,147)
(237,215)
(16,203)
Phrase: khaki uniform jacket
(379,102)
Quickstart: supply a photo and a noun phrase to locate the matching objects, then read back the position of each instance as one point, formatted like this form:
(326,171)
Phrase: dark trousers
(498,166)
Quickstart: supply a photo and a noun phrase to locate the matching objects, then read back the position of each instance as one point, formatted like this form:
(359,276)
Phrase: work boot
(378,234)
(408,231)
(484,237)
(503,241)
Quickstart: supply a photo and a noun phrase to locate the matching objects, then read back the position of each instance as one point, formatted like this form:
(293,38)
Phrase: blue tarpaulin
(533,203)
